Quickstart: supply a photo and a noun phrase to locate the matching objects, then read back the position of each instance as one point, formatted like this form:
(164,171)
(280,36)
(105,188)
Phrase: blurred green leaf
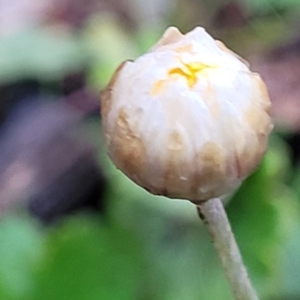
(146,37)
(291,263)
(21,247)
(278,160)
(89,260)
(259,213)
(182,251)
(40,53)
(109,45)
(80,259)
(270,5)
(255,219)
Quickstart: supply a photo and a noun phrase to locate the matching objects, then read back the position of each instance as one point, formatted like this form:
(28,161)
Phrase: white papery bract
(188,119)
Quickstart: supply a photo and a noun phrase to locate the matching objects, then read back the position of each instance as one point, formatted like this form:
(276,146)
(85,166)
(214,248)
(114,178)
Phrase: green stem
(214,216)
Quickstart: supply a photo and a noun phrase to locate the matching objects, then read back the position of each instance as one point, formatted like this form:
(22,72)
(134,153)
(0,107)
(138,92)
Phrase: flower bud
(188,119)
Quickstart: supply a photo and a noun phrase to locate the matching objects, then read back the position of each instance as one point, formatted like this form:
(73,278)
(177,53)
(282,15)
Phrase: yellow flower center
(188,70)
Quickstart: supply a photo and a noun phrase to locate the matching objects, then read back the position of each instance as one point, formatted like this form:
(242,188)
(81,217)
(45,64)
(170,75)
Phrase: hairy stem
(214,216)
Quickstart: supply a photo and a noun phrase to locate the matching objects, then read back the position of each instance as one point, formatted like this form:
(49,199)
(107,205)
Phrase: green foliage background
(153,248)
(146,247)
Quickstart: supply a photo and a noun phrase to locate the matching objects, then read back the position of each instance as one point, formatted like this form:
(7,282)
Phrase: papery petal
(188,119)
